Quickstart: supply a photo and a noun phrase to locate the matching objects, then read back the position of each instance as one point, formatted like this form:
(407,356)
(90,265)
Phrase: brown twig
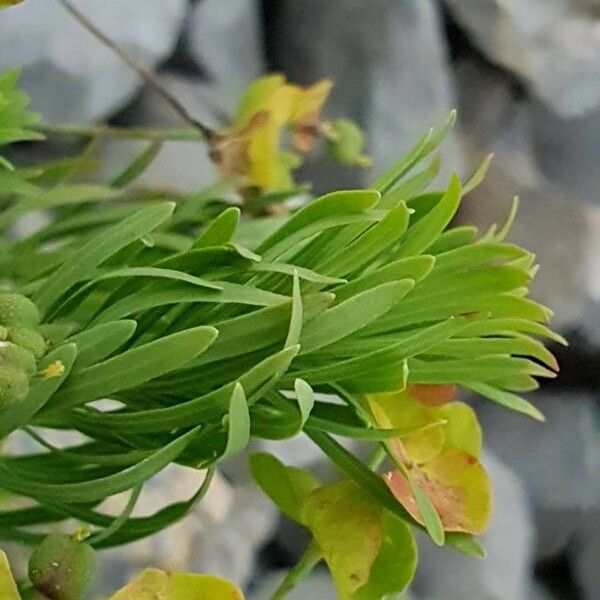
(142,71)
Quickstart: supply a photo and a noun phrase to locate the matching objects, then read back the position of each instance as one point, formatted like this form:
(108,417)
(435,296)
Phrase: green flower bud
(347,143)
(18,310)
(29,339)
(62,568)
(33,594)
(19,357)
(14,385)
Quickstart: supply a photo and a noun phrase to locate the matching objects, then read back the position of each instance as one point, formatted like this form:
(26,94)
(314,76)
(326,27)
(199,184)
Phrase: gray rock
(553,45)
(567,150)
(410,84)
(558,461)
(388,65)
(492,119)
(220,536)
(68,73)
(587,555)
(182,166)
(226,39)
(506,573)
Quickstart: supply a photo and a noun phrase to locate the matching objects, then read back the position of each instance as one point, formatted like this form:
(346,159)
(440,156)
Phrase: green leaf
(430,516)
(138,165)
(238,423)
(306,399)
(427,144)
(100,248)
(506,399)
(288,487)
(97,343)
(62,195)
(421,235)
(329,205)
(395,564)
(220,231)
(95,489)
(295,329)
(215,403)
(352,315)
(351,530)
(133,367)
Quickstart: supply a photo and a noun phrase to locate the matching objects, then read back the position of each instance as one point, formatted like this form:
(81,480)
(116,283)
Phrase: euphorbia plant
(358,316)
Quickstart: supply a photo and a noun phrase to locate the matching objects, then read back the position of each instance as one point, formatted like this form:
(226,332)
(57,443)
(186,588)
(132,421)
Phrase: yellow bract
(154,584)
(441,457)
(8,587)
(251,147)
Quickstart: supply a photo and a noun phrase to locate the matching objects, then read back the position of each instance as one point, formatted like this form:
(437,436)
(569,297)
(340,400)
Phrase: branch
(311,557)
(134,133)
(142,71)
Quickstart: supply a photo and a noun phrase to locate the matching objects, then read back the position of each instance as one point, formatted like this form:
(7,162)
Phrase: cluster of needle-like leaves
(355,316)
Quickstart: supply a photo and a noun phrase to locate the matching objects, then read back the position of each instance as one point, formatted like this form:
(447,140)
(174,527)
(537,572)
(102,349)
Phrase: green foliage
(207,328)
(15,121)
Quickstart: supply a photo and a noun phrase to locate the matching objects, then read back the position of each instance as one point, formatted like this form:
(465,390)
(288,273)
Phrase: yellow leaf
(8,587)
(370,552)
(400,410)
(258,97)
(251,147)
(457,485)
(441,460)
(462,428)
(345,523)
(6,3)
(154,584)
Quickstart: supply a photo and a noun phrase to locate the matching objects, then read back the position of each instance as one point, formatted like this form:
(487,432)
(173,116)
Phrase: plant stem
(300,571)
(136,133)
(142,71)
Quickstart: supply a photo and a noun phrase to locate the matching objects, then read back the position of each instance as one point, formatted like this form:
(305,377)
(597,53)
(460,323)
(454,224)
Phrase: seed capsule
(19,357)
(14,385)
(18,310)
(29,339)
(62,568)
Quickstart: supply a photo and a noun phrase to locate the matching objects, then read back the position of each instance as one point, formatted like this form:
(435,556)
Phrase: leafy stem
(135,133)
(300,571)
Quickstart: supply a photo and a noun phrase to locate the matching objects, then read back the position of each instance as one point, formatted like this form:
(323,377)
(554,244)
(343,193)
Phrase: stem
(300,571)
(375,460)
(136,133)
(142,71)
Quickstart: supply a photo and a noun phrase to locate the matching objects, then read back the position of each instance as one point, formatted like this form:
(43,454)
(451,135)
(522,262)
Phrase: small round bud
(61,567)
(29,339)
(16,309)
(346,143)
(33,594)
(14,385)
(19,357)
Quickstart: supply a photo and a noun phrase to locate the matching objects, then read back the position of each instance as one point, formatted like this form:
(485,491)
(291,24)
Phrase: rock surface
(388,65)
(494,119)
(552,45)
(230,66)
(67,72)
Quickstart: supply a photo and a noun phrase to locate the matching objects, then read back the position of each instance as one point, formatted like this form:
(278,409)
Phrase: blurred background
(525,77)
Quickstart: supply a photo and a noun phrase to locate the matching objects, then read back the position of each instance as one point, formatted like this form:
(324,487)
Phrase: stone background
(525,76)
